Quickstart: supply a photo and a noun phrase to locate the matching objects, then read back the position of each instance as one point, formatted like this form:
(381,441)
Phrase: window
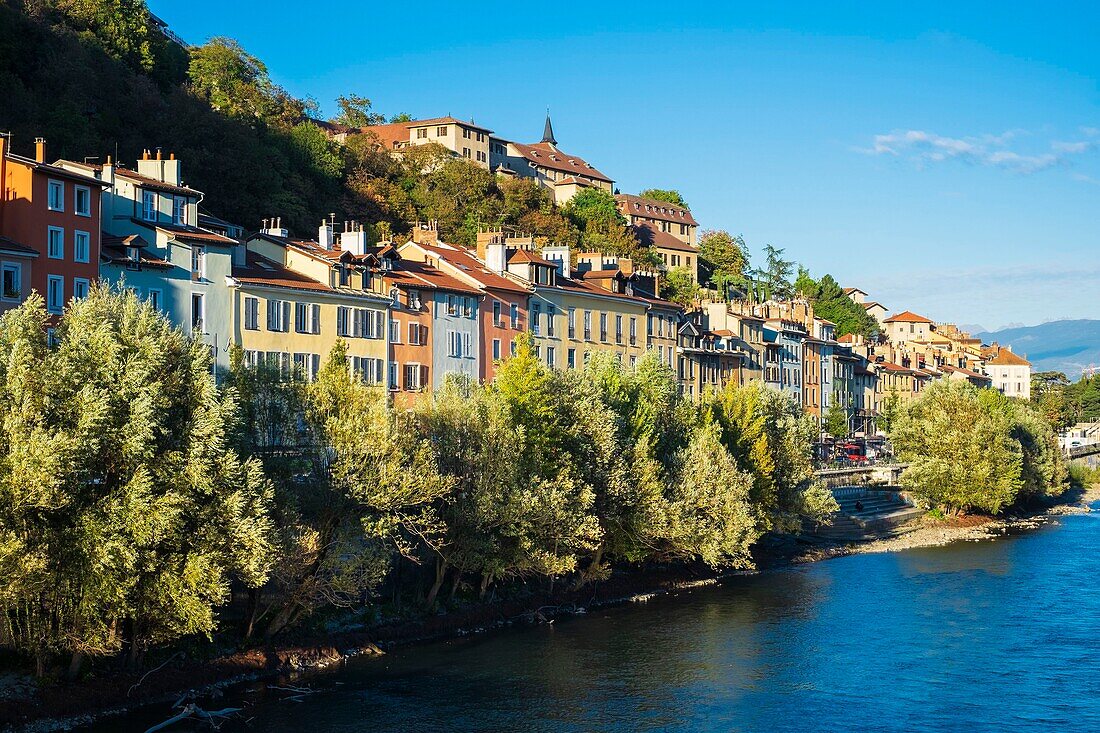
(421,133)
(252,313)
(395,332)
(156,298)
(278,315)
(454,343)
(198,311)
(536,317)
(571,358)
(414,300)
(618,329)
(514,315)
(415,334)
(441,131)
(588,325)
(513,347)
(80,287)
(467,307)
(149,205)
(81,246)
(465,133)
(56,243)
(465,152)
(12,283)
(198,263)
(56,196)
(572,323)
(393,376)
(603,327)
(466,352)
(343,318)
(452,305)
(633,330)
(415,376)
(496,313)
(550,320)
(496,349)
(82,200)
(307,318)
(179,210)
(551,355)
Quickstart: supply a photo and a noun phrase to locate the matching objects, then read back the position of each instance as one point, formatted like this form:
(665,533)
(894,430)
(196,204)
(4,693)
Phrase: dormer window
(149,205)
(414,300)
(386,264)
(344,275)
(368,280)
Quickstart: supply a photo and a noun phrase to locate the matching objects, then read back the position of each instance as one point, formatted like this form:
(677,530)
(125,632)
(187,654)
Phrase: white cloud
(922,148)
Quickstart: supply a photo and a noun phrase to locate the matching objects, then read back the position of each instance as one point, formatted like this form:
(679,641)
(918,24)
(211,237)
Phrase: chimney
(274,227)
(326,234)
(426,233)
(107,174)
(40,149)
(354,239)
(491,249)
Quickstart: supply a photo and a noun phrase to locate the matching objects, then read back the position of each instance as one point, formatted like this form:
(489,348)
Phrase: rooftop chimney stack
(326,235)
(40,149)
(355,240)
(274,227)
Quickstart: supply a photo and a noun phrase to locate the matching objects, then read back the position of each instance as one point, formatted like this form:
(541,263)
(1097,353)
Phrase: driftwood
(191,710)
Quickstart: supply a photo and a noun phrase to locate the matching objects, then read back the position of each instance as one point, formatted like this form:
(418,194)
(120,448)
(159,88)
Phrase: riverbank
(62,707)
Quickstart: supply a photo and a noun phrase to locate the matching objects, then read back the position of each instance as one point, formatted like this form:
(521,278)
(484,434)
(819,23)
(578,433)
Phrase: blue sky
(945,159)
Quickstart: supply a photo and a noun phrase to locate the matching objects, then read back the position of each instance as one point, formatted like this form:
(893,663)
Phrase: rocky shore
(25,706)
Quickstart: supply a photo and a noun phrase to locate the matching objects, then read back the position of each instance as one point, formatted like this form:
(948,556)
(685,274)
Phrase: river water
(978,636)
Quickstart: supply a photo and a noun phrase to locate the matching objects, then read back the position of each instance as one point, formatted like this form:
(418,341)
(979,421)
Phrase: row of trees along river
(142,505)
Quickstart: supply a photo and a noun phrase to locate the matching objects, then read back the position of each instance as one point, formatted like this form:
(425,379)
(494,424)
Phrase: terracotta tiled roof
(847,338)
(410,274)
(651,237)
(549,156)
(185,233)
(573,181)
(153,184)
(632,205)
(1003,356)
(10,246)
(259,270)
(474,268)
(115,250)
(907,317)
(849,291)
(871,304)
(524,255)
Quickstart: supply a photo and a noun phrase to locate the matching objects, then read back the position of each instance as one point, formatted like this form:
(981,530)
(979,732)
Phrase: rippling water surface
(990,636)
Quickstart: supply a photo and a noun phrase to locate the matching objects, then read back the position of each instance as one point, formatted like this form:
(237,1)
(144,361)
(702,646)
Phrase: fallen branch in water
(154,669)
(191,710)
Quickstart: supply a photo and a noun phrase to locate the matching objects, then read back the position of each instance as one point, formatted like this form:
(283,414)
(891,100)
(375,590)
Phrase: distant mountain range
(1059,346)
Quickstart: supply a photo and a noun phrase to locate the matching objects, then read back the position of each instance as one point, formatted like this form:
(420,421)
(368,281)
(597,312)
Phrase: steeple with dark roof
(548,131)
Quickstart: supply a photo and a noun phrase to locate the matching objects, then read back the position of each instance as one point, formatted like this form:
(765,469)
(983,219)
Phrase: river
(977,636)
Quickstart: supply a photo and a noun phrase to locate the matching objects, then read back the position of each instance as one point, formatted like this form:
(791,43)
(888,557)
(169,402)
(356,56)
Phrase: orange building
(49,229)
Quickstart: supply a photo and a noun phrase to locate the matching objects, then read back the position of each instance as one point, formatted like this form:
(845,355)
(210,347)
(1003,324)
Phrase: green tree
(711,514)
(667,195)
(771,438)
(960,449)
(125,513)
(833,304)
(723,260)
(1049,394)
(125,31)
(776,275)
(679,287)
(355,111)
(237,83)
(836,420)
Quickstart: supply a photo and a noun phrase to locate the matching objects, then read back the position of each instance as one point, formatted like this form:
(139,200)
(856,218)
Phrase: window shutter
(286,315)
(315,313)
(424,376)
(271,315)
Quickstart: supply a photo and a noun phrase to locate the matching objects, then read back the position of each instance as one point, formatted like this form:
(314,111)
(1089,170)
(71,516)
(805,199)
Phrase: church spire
(548,130)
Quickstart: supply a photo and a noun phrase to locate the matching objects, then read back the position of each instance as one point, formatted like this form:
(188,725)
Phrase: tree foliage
(723,260)
(971,449)
(833,304)
(667,195)
(124,512)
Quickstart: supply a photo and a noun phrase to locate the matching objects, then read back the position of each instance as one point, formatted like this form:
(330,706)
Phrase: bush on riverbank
(975,449)
(134,494)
